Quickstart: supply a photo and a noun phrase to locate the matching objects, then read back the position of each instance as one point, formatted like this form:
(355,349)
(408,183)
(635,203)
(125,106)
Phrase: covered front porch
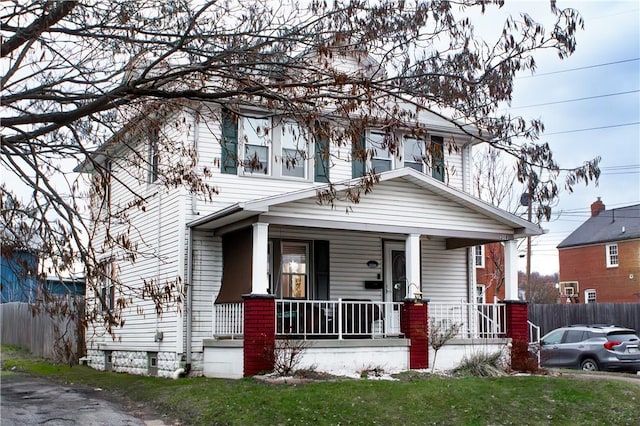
(364,281)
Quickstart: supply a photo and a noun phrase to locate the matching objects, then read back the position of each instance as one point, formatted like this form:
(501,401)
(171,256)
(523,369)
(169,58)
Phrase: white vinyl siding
(398,204)
(444,272)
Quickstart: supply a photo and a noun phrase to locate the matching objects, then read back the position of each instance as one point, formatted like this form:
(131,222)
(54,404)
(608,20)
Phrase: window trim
(611,256)
(587,293)
(482,294)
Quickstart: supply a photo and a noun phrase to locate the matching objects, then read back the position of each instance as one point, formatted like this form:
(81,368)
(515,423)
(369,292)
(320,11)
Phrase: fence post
(259,333)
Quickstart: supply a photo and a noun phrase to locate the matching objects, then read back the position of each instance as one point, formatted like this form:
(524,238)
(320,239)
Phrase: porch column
(259,333)
(412,253)
(413,323)
(260,259)
(518,331)
(511,270)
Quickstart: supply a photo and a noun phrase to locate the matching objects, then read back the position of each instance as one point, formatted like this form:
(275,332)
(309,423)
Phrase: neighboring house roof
(609,225)
(240,211)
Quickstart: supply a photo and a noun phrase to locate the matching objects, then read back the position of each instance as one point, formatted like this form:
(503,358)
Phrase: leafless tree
(79,74)
(540,289)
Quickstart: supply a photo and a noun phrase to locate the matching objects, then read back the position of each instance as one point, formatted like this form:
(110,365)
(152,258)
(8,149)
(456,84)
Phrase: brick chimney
(597,207)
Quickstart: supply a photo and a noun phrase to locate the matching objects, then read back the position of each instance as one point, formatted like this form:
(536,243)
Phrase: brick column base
(259,333)
(413,323)
(518,331)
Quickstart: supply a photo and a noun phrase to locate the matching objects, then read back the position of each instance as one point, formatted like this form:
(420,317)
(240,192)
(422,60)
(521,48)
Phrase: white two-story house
(292,223)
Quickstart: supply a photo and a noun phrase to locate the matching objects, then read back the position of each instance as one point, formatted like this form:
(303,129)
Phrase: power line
(593,128)
(580,68)
(577,99)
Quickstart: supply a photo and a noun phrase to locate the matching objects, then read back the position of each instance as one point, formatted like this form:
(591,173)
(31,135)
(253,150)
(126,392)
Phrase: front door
(395,283)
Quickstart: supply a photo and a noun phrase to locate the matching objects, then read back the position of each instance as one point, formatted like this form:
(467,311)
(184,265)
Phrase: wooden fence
(60,339)
(550,317)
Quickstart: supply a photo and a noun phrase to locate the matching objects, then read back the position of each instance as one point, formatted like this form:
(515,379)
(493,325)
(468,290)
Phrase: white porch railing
(337,318)
(353,318)
(476,320)
(228,319)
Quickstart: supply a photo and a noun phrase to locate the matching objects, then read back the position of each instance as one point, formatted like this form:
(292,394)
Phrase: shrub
(482,364)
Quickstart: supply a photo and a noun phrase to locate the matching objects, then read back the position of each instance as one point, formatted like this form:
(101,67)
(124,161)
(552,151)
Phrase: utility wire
(580,68)
(592,128)
(577,99)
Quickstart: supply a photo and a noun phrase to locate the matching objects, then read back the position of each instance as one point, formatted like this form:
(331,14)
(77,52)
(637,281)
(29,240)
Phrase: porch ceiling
(404,202)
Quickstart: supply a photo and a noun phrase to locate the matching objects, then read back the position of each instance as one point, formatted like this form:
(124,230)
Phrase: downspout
(187,308)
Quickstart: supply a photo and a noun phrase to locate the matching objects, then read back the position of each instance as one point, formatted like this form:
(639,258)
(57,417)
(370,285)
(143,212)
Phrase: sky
(606,69)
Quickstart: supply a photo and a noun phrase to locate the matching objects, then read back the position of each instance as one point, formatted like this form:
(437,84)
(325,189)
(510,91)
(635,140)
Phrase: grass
(417,399)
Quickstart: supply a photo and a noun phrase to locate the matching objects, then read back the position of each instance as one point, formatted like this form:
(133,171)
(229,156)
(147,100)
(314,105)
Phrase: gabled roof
(610,225)
(240,211)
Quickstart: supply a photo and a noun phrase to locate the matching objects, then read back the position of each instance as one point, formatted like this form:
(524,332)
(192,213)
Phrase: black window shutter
(229,159)
(358,164)
(437,157)
(321,269)
(321,173)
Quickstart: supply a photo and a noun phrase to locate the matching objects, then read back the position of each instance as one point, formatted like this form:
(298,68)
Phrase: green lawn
(537,400)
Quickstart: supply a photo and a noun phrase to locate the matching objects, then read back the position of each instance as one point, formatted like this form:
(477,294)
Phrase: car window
(622,336)
(553,338)
(574,336)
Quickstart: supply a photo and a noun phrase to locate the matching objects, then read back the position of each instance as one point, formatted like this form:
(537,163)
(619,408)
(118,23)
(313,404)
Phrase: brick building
(600,261)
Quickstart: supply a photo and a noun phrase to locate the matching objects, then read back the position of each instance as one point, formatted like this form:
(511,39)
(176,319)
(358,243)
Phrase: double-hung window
(478,256)
(413,150)
(294,142)
(590,296)
(612,255)
(437,157)
(256,134)
(381,160)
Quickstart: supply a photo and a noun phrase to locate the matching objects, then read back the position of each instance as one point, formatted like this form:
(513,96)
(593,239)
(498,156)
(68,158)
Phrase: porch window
(256,134)
(295,270)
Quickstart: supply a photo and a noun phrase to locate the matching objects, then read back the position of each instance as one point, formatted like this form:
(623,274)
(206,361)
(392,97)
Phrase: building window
(589,296)
(256,135)
(108,289)
(381,160)
(480,293)
(295,270)
(153,155)
(478,256)
(437,157)
(612,255)
(413,150)
(295,150)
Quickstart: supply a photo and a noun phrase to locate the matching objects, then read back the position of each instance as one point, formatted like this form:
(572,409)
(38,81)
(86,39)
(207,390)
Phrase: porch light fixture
(372,264)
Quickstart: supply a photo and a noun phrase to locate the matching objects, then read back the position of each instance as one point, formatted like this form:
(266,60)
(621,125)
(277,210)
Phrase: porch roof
(512,226)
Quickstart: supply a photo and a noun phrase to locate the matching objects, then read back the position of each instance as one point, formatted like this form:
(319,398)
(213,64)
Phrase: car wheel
(589,365)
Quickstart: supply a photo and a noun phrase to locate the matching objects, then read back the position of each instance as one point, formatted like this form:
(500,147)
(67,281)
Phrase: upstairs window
(478,256)
(295,147)
(381,160)
(437,157)
(256,135)
(413,150)
(612,255)
(153,155)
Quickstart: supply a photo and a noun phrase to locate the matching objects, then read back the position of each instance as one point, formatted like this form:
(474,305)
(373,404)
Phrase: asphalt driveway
(26,400)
